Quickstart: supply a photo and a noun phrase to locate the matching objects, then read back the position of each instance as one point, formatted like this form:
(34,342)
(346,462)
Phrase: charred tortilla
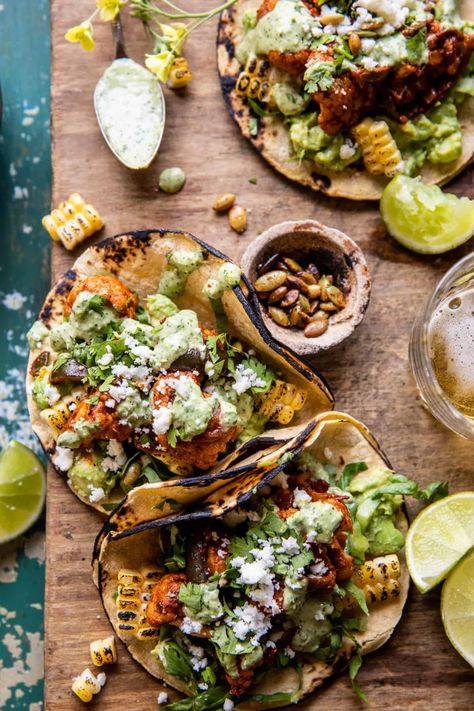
(335,439)
(272,138)
(138,260)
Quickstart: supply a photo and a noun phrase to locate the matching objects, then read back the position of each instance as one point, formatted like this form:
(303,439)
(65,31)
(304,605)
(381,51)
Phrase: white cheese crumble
(162,697)
(300,497)
(121,391)
(51,393)
(368,63)
(347,150)
(189,626)
(249,619)
(228,705)
(97,493)
(246,378)
(162,418)
(116,457)
(63,458)
(107,357)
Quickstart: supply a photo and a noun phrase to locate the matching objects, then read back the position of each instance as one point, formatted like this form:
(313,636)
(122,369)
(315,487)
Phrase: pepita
(223,203)
(304,303)
(328,306)
(297,283)
(271,280)
(279,316)
(267,264)
(314,307)
(307,277)
(313,269)
(237,218)
(336,296)
(332,18)
(354,43)
(292,264)
(316,328)
(276,295)
(314,291)
(290,299)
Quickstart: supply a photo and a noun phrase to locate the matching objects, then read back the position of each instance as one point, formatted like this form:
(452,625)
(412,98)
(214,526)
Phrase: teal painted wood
(25,187)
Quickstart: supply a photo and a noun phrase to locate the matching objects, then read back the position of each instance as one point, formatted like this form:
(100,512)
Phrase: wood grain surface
(369,373)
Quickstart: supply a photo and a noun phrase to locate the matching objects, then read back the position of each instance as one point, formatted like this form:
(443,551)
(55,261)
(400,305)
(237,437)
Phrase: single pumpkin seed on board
(223,203)
(279,316)
(290,298)
(316,327)
(237,218)
(270,280)
(276,295)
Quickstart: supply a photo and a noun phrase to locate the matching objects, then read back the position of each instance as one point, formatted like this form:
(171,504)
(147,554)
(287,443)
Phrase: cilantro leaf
(398,484)
(415,46)
(96,303)
(358,595)
(263,373)
(206,701)
(172,436)
(319,76)
(354,666)
(349,471)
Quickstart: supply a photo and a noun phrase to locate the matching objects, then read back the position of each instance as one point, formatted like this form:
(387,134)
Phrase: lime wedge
(423,218)
(457,608)
(22,490)
(438,538)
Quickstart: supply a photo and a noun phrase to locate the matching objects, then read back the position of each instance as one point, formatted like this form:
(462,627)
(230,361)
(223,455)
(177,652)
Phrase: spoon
(130,108)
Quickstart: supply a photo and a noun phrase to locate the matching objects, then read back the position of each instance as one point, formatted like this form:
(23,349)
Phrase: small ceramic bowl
(333,252)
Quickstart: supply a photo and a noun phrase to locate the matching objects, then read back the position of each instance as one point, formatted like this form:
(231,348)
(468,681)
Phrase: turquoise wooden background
(25,184)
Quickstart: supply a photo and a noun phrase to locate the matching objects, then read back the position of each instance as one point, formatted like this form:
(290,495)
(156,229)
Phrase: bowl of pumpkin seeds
(312,284)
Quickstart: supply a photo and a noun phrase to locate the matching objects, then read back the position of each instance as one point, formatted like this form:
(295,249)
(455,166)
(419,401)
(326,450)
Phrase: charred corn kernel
(134,588)
(379,150)
(281,401)
(180,74)
(254,88)
(379,578)
(103,651)
(58,416)
(86,685)
(252,82)
(242,84)
(72,222)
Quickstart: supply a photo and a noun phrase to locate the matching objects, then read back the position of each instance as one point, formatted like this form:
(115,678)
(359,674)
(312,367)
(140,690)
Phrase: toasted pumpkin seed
(321,314)
(292,264)
(270,280)
(290,299)
(314,307)
(297,283)
(316,328)
(354,43)
(267,264)
(282,265)
(295,315)
(222,203)
(132,474)
(313,269)
(307,277)
(328,306)
(304,303)
(237,216)
(279,316)
(275,295)
(323,285)
(332,18)
(336,296)
(314,291)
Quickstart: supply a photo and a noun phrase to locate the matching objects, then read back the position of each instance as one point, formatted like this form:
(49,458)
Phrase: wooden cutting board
(369,373)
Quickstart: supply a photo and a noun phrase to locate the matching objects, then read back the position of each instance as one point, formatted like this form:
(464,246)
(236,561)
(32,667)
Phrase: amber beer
(451,349)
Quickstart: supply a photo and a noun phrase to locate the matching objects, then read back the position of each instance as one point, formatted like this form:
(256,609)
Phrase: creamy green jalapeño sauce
(130,110)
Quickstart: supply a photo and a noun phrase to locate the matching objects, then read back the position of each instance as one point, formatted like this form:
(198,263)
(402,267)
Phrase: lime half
(457,608)
(22,490)
(438,538)
(423,218)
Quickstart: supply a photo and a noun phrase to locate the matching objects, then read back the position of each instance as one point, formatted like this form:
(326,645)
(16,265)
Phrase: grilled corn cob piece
(57,416)
(252,81)
(379,578)
(180,73)
(134,588)
(103,651)
(86,685)
(379,150)
(72,222)
(281,402)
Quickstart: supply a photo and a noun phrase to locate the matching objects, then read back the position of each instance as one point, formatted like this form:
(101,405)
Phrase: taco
(342,96)
(149,363)
(256,597)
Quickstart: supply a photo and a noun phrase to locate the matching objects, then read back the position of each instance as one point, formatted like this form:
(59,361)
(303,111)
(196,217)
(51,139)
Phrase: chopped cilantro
(253,126)
(354,666)
(416,45)
(319,76)
(96,303)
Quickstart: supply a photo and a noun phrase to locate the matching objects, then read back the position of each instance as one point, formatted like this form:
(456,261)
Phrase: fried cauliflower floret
(111,289)
(164,605)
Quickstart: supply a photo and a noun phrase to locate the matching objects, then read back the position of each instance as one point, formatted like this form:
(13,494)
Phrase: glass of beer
(442,349)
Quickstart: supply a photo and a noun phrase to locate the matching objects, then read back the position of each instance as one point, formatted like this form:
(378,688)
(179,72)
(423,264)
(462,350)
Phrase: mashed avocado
(160,307)
(317,520)
(179,334)
(313,625)
(310,141)
(289,101)
(254,427)
(294,594)
(44,394)
(36,335)
(435,136)
(86,474)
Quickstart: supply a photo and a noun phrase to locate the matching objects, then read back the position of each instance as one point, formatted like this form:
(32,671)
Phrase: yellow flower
(175,35)
(160,64)
(83,34)
(109,9)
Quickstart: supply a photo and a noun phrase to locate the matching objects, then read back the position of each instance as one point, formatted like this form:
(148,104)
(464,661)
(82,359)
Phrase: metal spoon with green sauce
(130,108)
